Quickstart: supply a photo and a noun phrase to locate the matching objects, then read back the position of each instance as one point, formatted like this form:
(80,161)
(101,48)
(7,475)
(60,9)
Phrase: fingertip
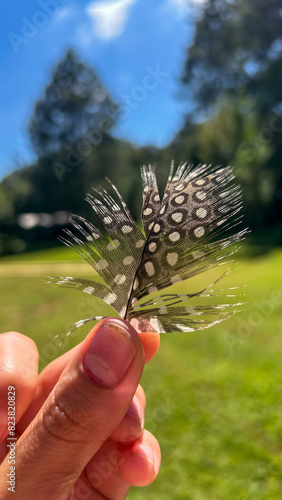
(138,470)
(151,344)
(150,340)
(16,338)
(118,322)
(140,462)
(132,425)
(19,374)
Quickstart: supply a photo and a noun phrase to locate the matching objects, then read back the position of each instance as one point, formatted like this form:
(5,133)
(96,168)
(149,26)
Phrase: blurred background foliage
(232,75)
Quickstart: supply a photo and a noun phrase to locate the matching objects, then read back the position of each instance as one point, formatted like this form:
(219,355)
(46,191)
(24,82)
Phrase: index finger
(18,371)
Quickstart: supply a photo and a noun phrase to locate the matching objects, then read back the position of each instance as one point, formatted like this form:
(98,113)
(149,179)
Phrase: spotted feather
(188,232)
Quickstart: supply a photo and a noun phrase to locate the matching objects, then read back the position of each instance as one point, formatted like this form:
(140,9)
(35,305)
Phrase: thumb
(88,402)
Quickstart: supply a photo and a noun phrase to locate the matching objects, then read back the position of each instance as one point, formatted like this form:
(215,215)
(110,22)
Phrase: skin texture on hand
(80,423)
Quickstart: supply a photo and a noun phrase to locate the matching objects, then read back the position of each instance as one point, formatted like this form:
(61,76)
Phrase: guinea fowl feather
(190,231)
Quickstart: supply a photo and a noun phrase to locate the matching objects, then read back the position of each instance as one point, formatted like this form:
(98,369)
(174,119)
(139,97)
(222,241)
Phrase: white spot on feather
(147,211)
(149,267)
(126,229)
(199,232)
(89,290)
(101,265)
(175,279)
(122,311)
(179,199)
(155,324)
(198,254)
(172,258)
(152,247)
(140,243)
(108,220)
(177,216)
(120,279)
(191,310)
(224,194)
(112,246)
(184,328)
(220,222)
(201,212)
(175,236)
(127,260)
(201,195)
(179,187)
(110,298)
(79,323)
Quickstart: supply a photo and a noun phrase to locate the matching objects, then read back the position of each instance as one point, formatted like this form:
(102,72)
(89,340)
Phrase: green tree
(233,75)
(75,104)
(236,48)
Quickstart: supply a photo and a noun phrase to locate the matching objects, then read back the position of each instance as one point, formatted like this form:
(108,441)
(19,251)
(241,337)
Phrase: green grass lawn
(214,398)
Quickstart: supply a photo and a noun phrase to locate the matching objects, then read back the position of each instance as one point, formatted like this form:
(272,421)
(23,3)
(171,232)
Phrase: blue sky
(124,40)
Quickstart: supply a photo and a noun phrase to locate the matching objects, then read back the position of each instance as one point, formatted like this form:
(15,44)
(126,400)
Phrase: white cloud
(64,13)
(182,6)
(109,18)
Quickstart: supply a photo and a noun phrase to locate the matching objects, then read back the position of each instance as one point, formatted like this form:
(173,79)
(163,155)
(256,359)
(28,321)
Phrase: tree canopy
(233,75)
(237,48)
(75,103)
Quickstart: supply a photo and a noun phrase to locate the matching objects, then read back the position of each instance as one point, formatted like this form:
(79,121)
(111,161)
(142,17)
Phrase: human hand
(80,422)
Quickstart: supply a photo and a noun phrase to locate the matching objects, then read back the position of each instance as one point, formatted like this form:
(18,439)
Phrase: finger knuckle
(61,420)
